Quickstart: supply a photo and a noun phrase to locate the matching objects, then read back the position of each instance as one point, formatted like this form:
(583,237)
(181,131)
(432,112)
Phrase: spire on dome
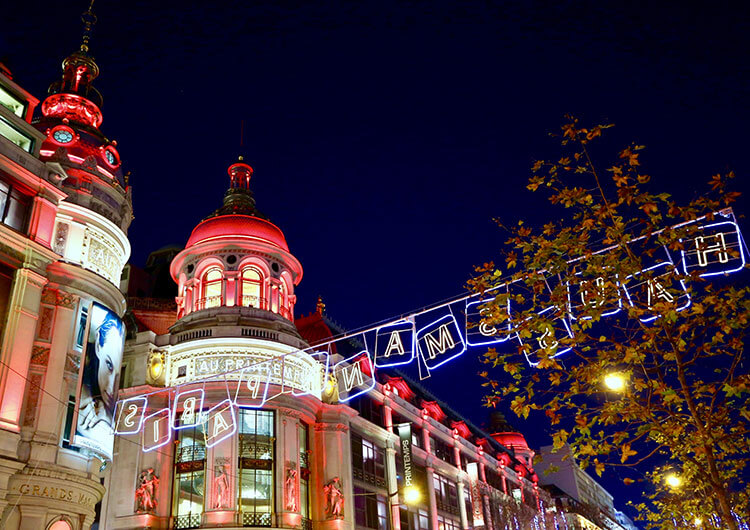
(238,199)
(320,307)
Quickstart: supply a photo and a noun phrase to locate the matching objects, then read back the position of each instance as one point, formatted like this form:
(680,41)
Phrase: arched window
(283,308)
(251,291)
(211,289)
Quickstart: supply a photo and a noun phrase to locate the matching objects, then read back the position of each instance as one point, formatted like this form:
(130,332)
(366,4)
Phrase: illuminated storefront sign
(601,294)
(647,291)
(252,387)
(187,407)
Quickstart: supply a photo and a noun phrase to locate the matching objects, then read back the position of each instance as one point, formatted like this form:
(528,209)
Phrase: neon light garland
(719,249)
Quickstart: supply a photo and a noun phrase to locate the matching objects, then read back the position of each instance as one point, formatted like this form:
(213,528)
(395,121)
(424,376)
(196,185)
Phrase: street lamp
(615,381)
(673,480)
(411,495)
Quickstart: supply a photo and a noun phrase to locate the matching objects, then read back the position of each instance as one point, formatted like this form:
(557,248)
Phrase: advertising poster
(98,381)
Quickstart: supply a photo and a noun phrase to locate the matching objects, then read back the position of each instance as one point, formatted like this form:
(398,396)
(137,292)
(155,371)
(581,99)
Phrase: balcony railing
(192,520)
(256,519)
(250,300)
(208,302)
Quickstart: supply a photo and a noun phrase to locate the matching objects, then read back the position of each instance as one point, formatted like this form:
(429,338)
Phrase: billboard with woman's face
(98,381)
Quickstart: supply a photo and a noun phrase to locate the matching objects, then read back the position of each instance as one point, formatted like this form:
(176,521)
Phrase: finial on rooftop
(320,307)
(89,20)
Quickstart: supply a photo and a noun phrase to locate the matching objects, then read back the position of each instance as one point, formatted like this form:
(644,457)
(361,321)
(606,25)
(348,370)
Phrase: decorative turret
(236,262)
(71,119)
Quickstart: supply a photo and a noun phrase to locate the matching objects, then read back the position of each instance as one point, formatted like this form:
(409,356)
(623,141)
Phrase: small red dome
(512,440)
(237,227)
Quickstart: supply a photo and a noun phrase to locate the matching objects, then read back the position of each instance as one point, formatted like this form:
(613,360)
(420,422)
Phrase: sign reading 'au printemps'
(432,338)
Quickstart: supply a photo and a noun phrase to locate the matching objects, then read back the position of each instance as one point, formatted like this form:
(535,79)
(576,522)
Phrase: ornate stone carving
(61,237)
(66,300)
(221,490)
(40,355)
(49,296)
(331,427)
(290,490)
(72,362)
(145,494)
(32,399)
(45,323)
(334,499)
(89,163)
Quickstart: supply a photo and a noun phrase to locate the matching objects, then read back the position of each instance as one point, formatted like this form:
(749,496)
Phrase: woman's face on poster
(110,357)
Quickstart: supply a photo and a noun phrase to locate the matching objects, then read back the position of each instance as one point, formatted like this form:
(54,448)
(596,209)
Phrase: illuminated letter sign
(354,376)
(656,288)
(716,249)
(440,342)
(478,333)
(190,403)
(313,377)
(252,388)
(157,430)
(598,293)
(130,415)
(394,344)
(221,423)
(545,338)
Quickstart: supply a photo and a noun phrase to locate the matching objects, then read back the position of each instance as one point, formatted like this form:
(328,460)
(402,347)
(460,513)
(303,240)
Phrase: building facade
(235,415)
(64,212)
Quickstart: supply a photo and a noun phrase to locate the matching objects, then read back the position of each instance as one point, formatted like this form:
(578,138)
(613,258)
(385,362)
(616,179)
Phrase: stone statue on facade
(221,488)
(334,499)
(290,490)
(145,494)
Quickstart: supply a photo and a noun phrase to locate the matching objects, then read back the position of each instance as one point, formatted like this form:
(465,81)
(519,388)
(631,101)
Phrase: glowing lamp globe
(673,480)
(411,495)
(615,382)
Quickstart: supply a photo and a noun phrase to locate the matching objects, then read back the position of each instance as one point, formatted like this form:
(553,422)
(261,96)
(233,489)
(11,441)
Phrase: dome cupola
(237,261)
(71,117)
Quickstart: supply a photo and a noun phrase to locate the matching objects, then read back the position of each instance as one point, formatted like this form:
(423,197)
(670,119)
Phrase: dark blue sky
(386,136)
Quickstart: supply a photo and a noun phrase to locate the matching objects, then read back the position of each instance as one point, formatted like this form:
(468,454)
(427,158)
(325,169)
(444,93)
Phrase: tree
(592,299)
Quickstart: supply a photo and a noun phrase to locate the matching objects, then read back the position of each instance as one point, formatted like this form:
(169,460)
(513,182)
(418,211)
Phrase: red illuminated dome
(237,227)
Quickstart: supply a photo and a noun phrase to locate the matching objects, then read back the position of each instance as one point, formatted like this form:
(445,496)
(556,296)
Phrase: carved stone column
(18,341)
(54,389)
(462,504)
(332,460)
(432,497)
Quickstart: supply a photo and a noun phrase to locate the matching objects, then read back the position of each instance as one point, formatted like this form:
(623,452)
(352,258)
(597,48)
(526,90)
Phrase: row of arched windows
(250,290)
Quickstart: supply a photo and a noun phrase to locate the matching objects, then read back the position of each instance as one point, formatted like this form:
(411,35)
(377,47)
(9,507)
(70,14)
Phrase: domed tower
(237,258)
(71,120)
(232,389)
(65,345)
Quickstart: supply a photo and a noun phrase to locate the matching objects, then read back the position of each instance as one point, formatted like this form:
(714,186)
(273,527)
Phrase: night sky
(385,137)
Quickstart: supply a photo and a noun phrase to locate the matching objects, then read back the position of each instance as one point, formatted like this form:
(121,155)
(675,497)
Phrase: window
(414,520)
(445,493)
(304,479)
(250,288)
(189,477)
(370,510)
(368,461)
(11,132)
(68,429)
(442,450)
(493,479)
(82,318)
(12,102)
(14,207)
(369,409)
(211,288)
(468,506)
(446,523)
(256,466)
